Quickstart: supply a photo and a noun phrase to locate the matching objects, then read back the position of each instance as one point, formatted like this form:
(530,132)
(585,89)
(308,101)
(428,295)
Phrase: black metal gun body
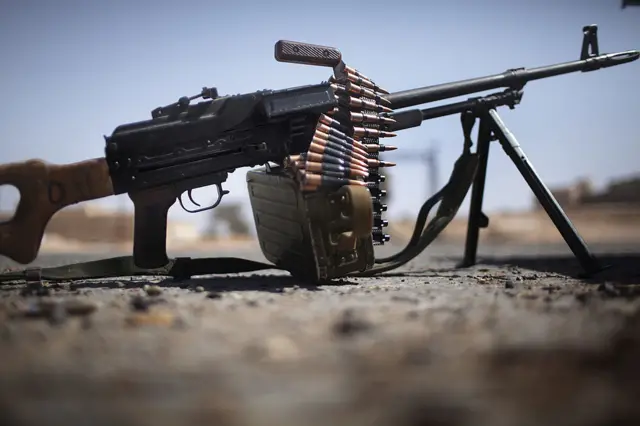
(184,147)
(219,135)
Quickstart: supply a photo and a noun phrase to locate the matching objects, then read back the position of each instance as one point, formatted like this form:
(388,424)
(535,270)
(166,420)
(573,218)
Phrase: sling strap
(178,268)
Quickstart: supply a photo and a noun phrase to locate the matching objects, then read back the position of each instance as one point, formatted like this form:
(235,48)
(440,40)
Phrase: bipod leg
(510,144)
(477,219)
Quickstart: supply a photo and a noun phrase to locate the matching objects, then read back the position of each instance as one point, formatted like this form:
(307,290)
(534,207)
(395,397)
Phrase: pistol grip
(150,227)
(45,189)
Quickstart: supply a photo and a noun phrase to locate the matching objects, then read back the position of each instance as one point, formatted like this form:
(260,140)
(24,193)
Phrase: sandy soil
(515,340)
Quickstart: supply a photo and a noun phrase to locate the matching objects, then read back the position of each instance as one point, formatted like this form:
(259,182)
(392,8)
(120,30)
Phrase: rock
(153,290)
(349,325)
(77,307)
(139,303)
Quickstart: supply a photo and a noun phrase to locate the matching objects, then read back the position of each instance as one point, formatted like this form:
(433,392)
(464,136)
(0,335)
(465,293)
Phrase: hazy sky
(74,70)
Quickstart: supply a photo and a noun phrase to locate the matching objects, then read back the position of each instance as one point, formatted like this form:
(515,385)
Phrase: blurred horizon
(74,71)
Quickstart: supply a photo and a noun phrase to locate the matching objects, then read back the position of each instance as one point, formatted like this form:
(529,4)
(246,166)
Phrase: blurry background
(72,71)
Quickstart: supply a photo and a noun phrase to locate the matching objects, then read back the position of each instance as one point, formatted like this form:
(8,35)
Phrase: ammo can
(316,236)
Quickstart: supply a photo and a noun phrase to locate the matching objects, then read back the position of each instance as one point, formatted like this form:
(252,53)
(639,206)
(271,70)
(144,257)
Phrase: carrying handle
(307,54)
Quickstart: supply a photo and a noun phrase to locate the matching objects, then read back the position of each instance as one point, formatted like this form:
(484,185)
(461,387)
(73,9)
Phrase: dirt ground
(515,340)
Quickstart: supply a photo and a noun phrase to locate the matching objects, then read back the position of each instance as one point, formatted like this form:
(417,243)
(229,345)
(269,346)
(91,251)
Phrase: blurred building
(623,193)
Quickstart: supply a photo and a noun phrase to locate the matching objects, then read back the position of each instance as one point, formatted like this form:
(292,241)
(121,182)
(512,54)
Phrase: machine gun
(319,144)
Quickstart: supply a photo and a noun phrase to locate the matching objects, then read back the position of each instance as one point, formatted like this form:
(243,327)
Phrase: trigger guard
(221,193)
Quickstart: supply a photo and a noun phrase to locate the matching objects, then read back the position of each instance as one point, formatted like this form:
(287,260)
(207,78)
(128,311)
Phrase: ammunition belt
(346,145)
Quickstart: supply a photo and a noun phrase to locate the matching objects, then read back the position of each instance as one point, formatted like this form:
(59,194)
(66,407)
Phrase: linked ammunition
(365,82)
(362,103)
(379,222)
(324,119)
(378,206)
(376,178)
(378,163)
(379,236)
(357,73)
(331,169)
(363,91)
(332,131)
(358,117)
(349,152)
(326,158)
(360,92)
(365,131)
(322,180)
(347,143)
(372,147)
(342,142)
(377,192)
(325,150)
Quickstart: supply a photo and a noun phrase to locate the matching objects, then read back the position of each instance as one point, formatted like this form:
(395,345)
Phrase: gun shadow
(623,268)
(254,282)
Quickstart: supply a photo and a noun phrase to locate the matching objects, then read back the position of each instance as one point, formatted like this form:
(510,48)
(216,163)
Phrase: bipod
(492,128)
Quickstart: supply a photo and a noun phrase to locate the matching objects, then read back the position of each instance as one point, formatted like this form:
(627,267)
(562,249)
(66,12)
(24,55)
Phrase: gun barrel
(414,117)
(514,78)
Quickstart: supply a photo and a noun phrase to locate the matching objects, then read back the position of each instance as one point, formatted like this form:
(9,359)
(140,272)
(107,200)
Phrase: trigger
(191,198)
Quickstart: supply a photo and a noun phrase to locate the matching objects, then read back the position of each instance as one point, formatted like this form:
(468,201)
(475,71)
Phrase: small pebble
(80,307)
(153,290)
(139,303)
(349,325)
(199,289)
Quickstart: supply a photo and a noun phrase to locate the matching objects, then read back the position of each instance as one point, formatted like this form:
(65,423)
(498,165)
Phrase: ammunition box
(316,236)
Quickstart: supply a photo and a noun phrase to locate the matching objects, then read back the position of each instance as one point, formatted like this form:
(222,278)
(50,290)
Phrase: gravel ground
(515,340)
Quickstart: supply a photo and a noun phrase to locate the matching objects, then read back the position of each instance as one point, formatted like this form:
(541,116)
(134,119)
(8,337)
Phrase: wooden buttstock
(45,189)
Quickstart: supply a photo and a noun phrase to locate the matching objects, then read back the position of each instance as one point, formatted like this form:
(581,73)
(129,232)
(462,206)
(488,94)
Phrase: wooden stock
(45,189)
